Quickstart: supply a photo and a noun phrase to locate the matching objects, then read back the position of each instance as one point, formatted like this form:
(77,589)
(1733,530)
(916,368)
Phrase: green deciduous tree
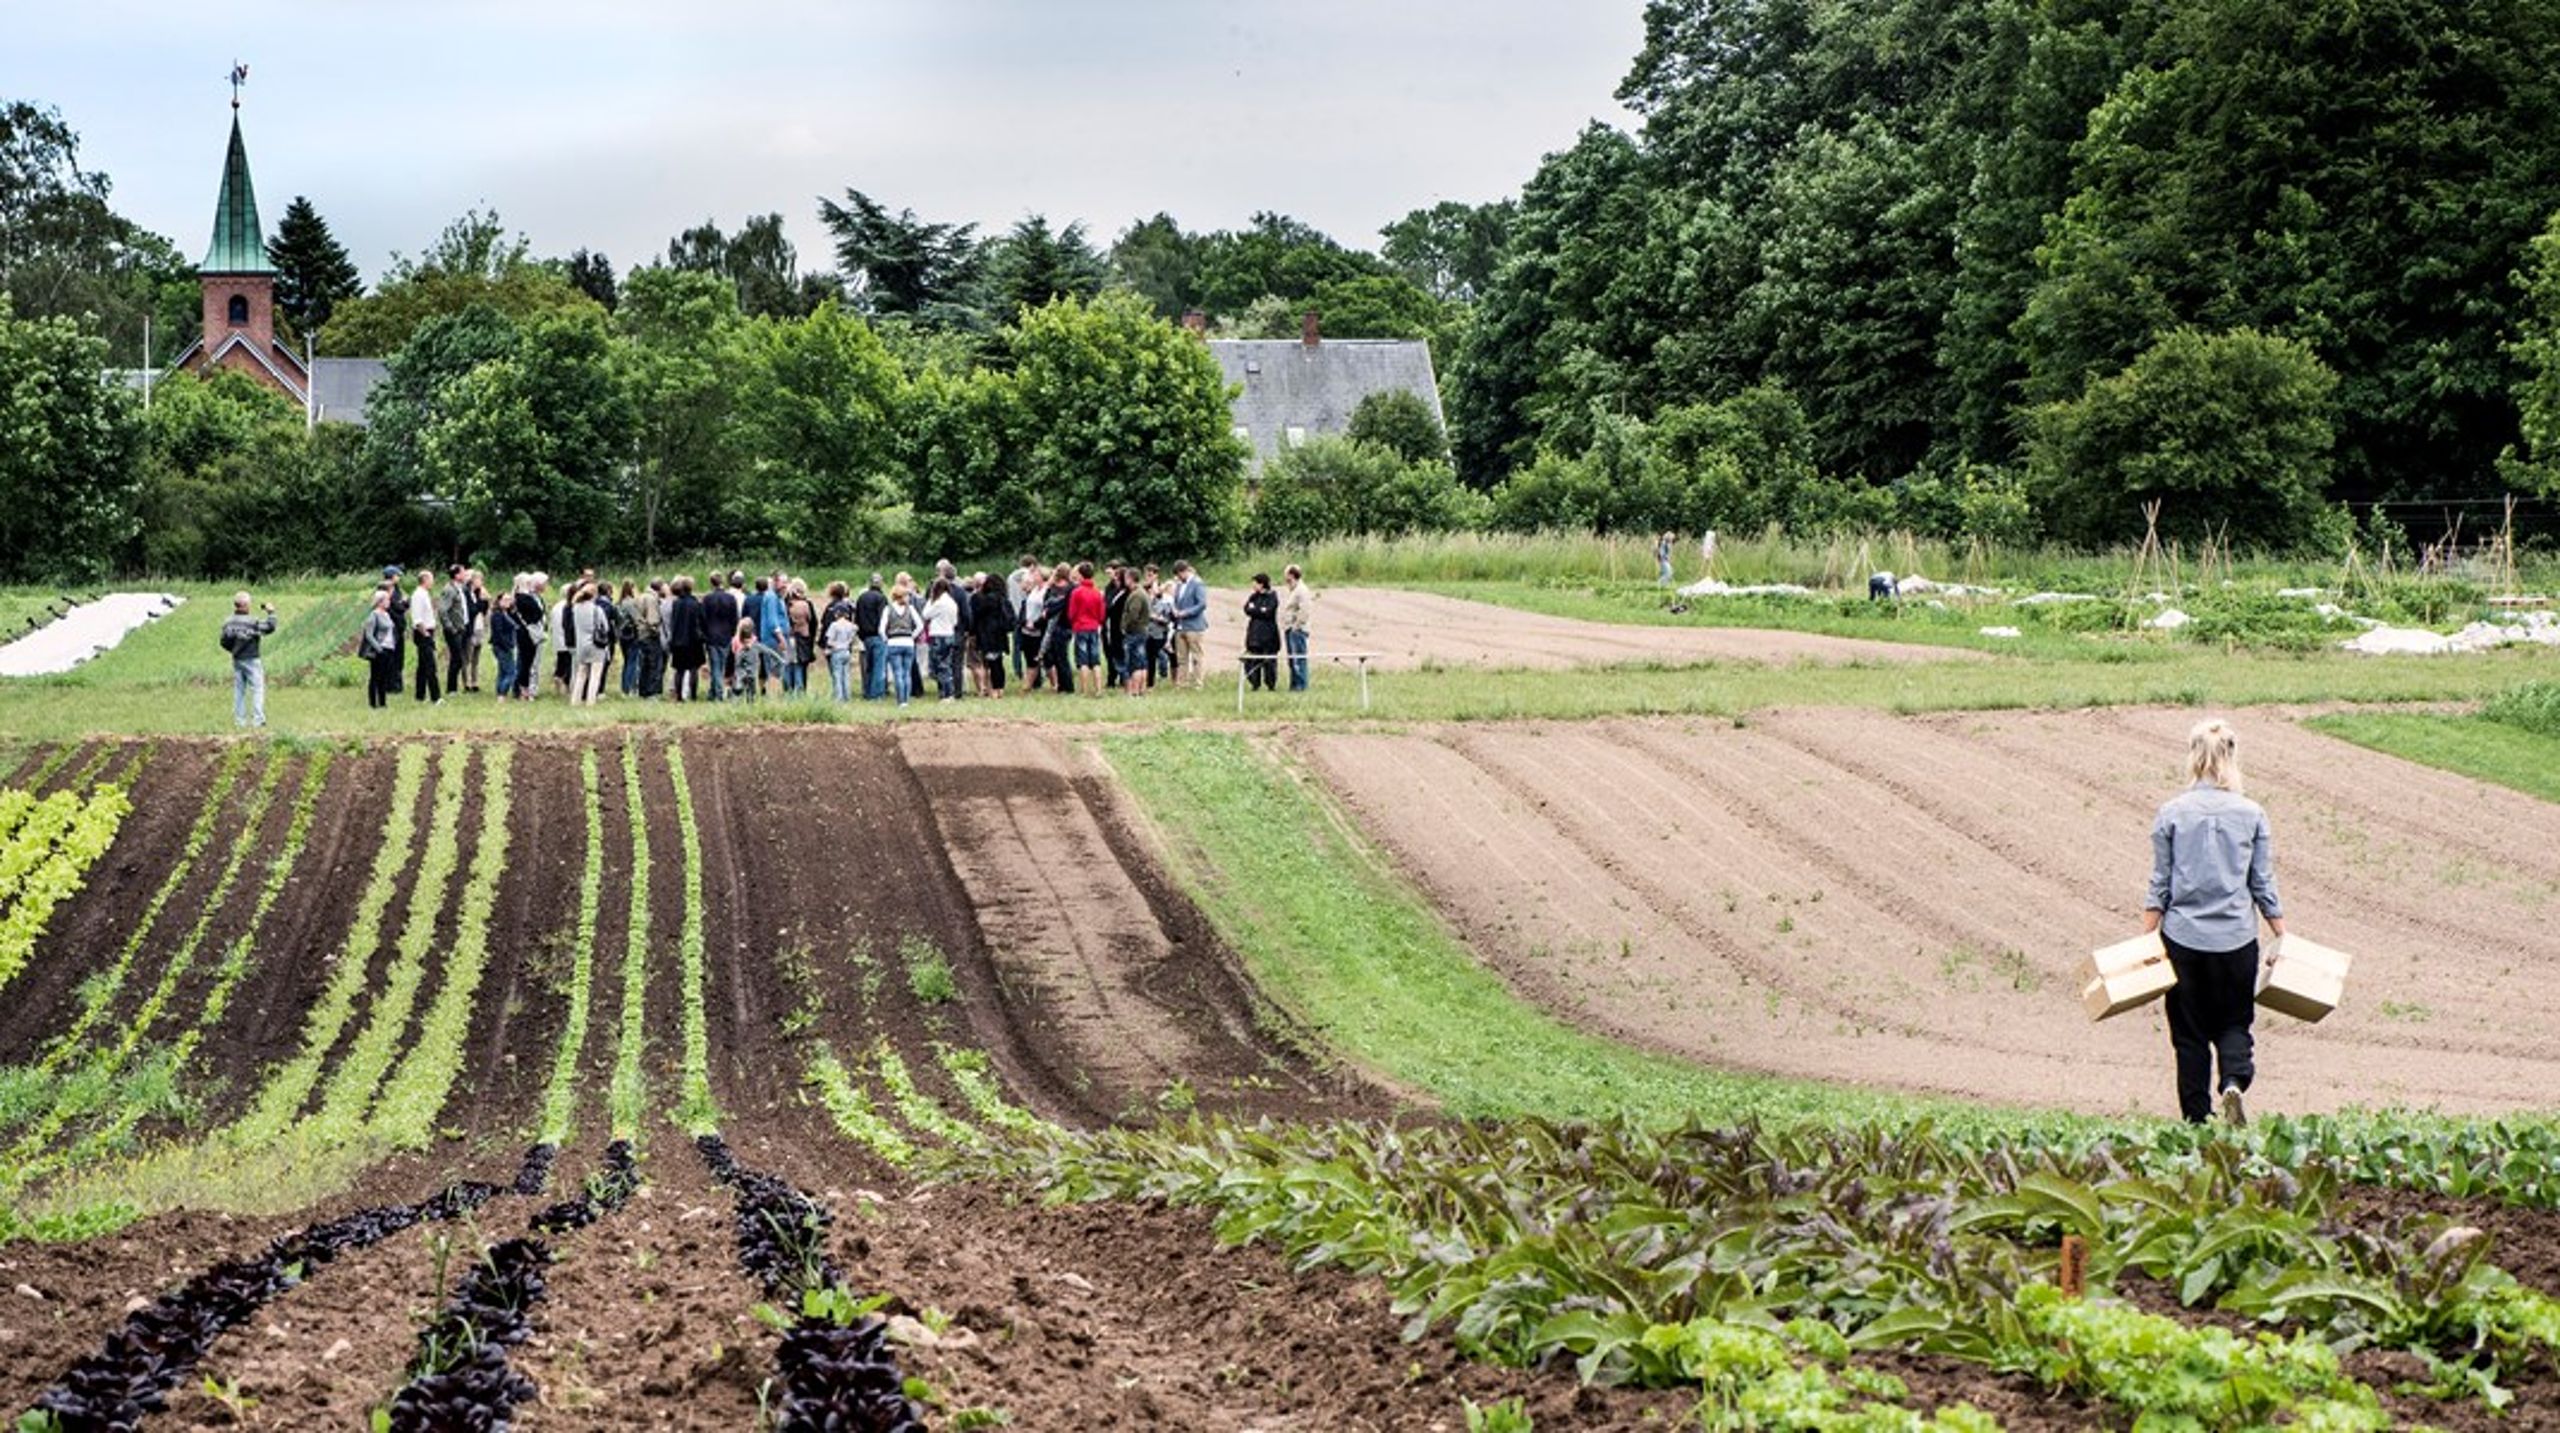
(1131,450)
(2534,462)
(474,263)
(2230,432)
(678,364)
(313,273)
(65,251)
(70,449)
(528,447)
(1161,261)
(1402,423)
(1330,486)
(1450,249)
(819,406)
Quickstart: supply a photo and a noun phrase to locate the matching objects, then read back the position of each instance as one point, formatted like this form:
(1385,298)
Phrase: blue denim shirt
(2213,869)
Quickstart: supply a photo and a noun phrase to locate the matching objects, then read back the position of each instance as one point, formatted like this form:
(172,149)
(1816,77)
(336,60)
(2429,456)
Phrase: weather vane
(239,77)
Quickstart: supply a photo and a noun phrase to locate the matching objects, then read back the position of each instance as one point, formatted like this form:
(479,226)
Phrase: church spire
(239,244)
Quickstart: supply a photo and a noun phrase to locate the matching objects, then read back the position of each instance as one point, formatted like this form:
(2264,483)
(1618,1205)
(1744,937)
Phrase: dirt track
(1415,629)
(1904,902)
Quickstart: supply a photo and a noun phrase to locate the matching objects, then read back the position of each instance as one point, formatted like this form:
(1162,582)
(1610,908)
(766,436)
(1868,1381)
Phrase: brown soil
(1414,629)
(1906,902)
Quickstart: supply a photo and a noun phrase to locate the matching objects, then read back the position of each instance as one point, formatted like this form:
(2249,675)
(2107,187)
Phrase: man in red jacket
(1084,620)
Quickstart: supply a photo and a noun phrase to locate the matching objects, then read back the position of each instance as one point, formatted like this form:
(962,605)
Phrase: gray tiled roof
(343,384)
(1289,384)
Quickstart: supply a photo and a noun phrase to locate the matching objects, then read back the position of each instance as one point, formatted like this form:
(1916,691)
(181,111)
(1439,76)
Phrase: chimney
(1308,333)
(1196,322)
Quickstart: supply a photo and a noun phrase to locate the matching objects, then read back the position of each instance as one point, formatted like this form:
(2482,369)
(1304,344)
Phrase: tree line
(2007,269)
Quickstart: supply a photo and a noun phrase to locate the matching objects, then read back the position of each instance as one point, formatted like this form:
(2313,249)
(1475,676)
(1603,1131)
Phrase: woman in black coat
(1262,634)
(684,635)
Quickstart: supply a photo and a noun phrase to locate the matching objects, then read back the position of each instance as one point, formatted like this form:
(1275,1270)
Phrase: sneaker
(2235,1109)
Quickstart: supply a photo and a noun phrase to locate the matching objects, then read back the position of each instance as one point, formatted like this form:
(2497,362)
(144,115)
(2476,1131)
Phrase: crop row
(98,1070)
(405,1115)
(1627,1250)
(560,1094)
(227,976)
(359,1072)
(160,1344)
(835,1372)
(461,1377)
(628,1099)
(695,1112)
(59,876)
(99,992)
(280,1099)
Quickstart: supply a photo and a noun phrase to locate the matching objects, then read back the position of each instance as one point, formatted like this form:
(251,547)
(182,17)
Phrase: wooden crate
(2126,975)
(2302,978)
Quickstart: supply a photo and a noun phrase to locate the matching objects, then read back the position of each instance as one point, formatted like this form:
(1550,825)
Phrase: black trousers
(2210,1011)
(382,677)
(429,689)
(457,655)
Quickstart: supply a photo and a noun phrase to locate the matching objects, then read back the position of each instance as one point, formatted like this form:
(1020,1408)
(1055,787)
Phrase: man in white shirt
(422,628)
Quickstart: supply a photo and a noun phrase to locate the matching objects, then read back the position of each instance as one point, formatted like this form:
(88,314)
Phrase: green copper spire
(239,245)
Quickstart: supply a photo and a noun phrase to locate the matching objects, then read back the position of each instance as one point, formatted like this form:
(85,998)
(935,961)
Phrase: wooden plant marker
(2073,1272)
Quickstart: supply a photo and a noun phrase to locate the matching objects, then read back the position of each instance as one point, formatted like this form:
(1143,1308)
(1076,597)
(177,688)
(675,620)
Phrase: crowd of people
(1062,628)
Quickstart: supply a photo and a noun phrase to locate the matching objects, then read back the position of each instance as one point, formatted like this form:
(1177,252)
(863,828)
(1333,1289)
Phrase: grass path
(2490,751)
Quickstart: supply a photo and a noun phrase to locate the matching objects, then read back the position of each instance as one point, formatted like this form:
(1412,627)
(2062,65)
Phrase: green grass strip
(560,1098)
(405,1116)
(1356,955)
(100,992)
(853,1111)
(236,960)
(281,1099)
(2494,751)
(359,1072)
(695,1111)
(106,1065)
(628,1100)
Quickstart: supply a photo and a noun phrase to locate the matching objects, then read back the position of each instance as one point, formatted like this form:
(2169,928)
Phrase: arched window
(239,310)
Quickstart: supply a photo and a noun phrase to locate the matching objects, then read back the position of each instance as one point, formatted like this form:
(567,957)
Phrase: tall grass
(1775,555)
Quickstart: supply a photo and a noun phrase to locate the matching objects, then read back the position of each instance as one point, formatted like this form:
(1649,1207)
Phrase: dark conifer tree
(313,272)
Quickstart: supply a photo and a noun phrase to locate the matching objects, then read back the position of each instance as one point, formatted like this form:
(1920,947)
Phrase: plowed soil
(1414,629)
(1905,902)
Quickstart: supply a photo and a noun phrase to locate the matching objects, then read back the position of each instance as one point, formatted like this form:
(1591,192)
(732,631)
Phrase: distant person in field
(1084,620)
(868,605)
(591,630)
(1190,625)
(453,617)
(482,605)
(504,633)
(1135,608)
(1297,611)
(240,637)
(1159,627)
(684,632)
(2213,874)
(1055,647)
(1262,635)
(1662,559)
(841,643)
(994,622)
(564,646)
(381,646)
(900,623)
(941,630)
(719,629)
(1022,597)
(535,621)
(422,626)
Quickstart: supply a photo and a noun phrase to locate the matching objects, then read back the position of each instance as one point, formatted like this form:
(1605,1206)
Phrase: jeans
(631,668)
(1088,649)
(1133,657)
(248,691)
(840,668)
(942,661)
(506,670)
(957,658)
(794,676)
(902,672)
(875,668)
(716,664)
(653,667)
(2210,1010)
(429,689)
(1297,641)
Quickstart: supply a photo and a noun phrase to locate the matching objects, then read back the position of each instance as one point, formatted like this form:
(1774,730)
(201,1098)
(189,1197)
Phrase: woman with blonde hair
(2213,874)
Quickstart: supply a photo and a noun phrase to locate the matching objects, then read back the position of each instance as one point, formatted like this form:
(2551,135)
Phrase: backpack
(230,638)
(604,631)
(626,626)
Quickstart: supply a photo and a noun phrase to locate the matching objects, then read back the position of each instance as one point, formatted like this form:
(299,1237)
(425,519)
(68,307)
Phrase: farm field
(756,1075)
(1408,629)
(1904,902)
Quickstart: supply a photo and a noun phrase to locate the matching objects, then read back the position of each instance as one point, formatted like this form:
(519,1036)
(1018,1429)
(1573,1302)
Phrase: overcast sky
(614,125)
